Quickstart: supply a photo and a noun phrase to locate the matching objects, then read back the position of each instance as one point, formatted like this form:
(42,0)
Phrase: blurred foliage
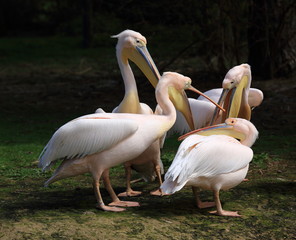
(219,33)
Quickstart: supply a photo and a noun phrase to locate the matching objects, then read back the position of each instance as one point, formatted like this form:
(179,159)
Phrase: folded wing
(85,136)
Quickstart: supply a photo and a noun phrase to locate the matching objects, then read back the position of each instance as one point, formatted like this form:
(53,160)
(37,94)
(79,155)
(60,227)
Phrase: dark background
(219,33)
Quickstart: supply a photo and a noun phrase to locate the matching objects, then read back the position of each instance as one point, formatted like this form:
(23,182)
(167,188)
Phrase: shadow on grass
(269,196)
(56,201)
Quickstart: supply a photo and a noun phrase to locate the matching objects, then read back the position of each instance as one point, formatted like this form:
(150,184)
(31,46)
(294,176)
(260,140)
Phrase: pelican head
(238,128)
(234,97)
(132,45)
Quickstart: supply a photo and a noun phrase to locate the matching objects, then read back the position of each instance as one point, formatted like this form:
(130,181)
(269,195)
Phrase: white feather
(85,136)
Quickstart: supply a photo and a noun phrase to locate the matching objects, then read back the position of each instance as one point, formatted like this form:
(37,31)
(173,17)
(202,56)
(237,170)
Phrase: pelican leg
(136,180)
(158,192)
(199,203)
(220,211)
(115,199)
(101,205)
(129,192)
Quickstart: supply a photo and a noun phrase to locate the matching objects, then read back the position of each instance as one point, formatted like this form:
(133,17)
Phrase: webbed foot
(226,213)
(110,209)
(124,204)
(131,193)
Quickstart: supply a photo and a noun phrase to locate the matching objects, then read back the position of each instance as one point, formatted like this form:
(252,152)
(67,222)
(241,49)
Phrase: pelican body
(213,159)
(96,142)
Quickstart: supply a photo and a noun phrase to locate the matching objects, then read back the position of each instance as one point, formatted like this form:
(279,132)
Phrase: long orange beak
(205,96)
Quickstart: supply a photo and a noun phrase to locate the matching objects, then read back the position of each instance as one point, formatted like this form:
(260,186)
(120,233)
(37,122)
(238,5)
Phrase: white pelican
(236,96)
(213,162)
(93,143)
(131,45)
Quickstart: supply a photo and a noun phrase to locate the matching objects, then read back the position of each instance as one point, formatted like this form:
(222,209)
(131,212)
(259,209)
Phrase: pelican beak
(205,96)
(219,129)
(239,105)
(180,101)
(232,100)
(141,57)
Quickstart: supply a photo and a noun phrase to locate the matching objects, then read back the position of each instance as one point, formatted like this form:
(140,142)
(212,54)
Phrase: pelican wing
(85,136)
(255,97)
(208,156)
(214,94)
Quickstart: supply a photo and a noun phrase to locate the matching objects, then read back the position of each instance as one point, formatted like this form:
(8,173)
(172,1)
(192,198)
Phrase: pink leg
(115,199)
(199,203)
(136,180)
(220,211)
(101,205)
(158,191)
(129,192)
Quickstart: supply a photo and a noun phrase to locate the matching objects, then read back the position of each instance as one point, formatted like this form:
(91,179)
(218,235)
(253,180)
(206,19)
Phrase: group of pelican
(214,157)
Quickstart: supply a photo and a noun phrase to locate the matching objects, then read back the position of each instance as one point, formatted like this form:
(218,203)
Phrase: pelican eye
(230,121)
(140,42)
(187,84)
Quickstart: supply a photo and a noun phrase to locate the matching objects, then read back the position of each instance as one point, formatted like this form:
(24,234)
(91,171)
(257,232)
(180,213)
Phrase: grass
(66,209)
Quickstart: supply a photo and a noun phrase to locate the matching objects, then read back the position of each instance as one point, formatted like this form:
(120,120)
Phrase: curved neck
(130,102)
(162,98)
(250,139)
(126,73)
(247,143)
(251,136)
